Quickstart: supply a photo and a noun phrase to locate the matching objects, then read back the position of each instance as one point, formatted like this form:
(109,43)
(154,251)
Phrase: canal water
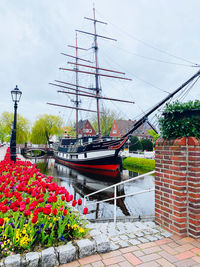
(79,185)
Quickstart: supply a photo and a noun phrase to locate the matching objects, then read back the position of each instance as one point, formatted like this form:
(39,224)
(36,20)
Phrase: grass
(139,164)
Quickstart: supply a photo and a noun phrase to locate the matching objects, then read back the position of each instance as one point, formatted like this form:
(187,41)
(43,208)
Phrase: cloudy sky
(157,47)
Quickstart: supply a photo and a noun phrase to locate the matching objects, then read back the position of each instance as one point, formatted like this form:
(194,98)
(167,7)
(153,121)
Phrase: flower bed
(34,211)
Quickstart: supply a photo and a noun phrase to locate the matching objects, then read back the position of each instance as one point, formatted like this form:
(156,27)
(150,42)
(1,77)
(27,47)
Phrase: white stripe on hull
(87,155)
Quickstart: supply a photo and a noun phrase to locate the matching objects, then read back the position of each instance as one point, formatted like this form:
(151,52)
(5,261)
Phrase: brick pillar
(177,185)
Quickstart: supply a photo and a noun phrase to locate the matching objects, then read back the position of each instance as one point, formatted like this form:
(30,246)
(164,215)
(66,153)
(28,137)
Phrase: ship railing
(86,197)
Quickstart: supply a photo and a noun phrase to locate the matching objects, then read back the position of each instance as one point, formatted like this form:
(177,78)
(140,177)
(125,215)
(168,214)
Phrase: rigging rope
(140,79)
(149,45)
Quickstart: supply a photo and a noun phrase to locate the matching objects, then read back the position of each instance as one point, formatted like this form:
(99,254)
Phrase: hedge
(177,120)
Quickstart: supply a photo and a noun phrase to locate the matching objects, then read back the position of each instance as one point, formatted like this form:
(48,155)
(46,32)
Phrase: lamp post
(16,95)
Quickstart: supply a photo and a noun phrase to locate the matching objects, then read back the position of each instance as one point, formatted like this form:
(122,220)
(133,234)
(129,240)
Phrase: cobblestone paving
(166,252)
(129,233)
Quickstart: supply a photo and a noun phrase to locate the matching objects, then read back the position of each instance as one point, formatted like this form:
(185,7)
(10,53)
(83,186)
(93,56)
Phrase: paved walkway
(3,152)
(126,234)
(167,252)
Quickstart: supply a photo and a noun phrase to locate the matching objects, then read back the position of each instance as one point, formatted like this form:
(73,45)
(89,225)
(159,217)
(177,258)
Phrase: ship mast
(97,74)
(76,84)
(77,102)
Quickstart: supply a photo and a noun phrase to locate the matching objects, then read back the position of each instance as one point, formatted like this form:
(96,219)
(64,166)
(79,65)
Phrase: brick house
(121,127)
(85,128)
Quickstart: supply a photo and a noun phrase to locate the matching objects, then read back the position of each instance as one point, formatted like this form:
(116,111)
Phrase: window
(114,131)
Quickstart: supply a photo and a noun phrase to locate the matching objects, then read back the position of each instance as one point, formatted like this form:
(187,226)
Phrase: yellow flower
(6,219)
(4,236)
(75,226)
(81,230)
(24,231)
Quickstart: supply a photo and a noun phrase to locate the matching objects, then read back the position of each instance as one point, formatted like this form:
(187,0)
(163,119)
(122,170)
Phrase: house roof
(124,125)
(81,124)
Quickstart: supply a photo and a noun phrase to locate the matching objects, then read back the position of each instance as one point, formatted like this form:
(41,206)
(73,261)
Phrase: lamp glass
(16,94)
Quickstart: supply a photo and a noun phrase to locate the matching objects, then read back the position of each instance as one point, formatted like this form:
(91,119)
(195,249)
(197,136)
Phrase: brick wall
(177,185)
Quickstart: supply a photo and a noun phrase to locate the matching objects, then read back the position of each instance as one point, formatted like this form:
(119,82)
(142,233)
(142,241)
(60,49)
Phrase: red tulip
(47,211)
(27,213)
(48,206)
(27,200)
(74,202)
(79,201)
(41,199)
(85,210)
(35,219)
(1,221)
(36,212)
(54,211)
(65,212)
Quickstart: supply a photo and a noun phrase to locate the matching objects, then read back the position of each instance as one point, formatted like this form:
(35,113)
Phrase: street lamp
(16,95)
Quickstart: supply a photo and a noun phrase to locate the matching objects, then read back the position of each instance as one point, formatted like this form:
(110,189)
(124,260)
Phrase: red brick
(195,216)
(185,255)
(180,141)
(178,158)
(89,259)
(194,169)
(178,231)
(192,141)
(175,187)
(195,222)
(193,148)
(195,154)
(193,195)
(132,258)
(113,260)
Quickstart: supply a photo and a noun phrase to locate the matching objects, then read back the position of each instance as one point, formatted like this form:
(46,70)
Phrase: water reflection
(79,185)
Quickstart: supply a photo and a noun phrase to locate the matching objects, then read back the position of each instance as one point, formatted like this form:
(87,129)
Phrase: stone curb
(54,256)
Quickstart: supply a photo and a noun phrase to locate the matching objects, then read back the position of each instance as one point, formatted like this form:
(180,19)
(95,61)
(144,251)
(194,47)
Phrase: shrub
(146,145)
(177,120)
(135,144)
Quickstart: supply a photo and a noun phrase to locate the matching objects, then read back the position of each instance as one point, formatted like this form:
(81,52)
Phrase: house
(85,128)
(66,131)
(122,127)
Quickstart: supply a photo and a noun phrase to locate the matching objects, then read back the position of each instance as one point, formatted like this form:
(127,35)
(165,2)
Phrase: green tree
(3,134)
(135,144)
(45,127)
(72,132)
(153,134)
(23,127)
(107,118)
(147,144)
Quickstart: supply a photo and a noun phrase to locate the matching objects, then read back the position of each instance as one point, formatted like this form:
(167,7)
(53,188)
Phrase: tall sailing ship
(95,154)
